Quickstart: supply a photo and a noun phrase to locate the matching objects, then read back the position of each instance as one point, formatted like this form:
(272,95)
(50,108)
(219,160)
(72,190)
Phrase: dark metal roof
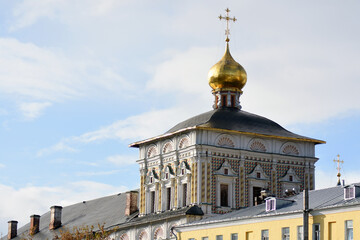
(108,211)
(318,199)
(233,119)
(155,217)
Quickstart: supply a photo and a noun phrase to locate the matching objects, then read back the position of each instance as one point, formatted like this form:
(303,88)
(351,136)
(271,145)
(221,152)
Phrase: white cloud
(2,165)
(29,12)
(184,72)
(59,147)
(20,203)
(283,81)
(133,128)
(38,76)
(122,160)
(97,173)
(326,179)
(32,110)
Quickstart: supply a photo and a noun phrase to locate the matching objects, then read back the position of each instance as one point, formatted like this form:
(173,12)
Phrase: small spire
(338,161)
(227,19)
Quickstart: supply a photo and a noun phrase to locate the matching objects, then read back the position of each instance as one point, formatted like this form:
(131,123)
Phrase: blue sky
(81,80)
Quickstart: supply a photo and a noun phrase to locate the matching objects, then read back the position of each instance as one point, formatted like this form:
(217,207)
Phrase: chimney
(12,232)
(131,202)
(34,224)
(55,217)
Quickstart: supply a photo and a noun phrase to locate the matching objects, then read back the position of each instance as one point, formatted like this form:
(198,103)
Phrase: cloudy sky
(80,80)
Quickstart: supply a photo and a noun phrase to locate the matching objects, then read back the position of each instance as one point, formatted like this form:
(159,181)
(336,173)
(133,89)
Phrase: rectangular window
(234,236)
(316,232)
(285,233)
(191,238)
(224,191)
(219,237)
(270,204)
(349,193)
(349,230)
(184,194)
(265,234)
(152,201)
(300,233)
(168,200)
(226,171)
(205,238)
(224,102)
(256,195)
(232,100)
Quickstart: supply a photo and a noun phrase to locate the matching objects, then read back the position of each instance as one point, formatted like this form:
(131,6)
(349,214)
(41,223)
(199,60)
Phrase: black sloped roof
(233,119)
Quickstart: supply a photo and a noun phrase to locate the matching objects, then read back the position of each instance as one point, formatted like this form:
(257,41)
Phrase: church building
(222,159)
(213,163)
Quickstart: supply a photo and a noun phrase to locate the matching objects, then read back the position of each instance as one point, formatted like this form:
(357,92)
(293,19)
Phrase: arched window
(225,142)
(257,145)
(290,150)
(151,152)
(184,142)
(124,236)
(159,234)
(143,236)
(168,147)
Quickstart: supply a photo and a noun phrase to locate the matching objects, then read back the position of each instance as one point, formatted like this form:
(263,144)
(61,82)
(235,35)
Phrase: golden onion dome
(227,74)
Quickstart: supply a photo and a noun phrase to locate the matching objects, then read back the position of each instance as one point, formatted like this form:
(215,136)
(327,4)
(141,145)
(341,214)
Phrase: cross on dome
(338,161)
(227,19)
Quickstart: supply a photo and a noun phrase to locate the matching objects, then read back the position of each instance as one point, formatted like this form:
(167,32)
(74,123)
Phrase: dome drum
(227,99)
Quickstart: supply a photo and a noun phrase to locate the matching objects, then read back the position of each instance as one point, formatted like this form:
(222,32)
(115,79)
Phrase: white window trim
(346,228)
(270,204)
(349,192)
(313,230)
(282,232)
(184,179)
(262,234)
(148,190)
(230,181)
(298,232)
(165,185)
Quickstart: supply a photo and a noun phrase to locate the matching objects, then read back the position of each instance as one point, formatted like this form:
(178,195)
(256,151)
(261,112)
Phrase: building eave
(138,143)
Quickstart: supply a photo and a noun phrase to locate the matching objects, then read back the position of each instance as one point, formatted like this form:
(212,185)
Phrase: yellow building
(332,214)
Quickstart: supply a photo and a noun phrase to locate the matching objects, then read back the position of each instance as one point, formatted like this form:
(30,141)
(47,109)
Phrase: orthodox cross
(338,161)
(227,19)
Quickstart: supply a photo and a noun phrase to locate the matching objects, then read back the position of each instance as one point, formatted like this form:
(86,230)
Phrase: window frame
(349,192)
(219,237)
(347,228)
(262,234)
(270,204)
(233,235)
(315,236)
(283,236)
(300,235)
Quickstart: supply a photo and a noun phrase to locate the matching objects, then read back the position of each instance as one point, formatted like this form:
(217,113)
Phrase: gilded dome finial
(227,19)
(227,77)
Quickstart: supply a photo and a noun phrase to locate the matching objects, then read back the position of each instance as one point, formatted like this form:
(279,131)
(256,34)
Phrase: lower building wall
(332,226)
